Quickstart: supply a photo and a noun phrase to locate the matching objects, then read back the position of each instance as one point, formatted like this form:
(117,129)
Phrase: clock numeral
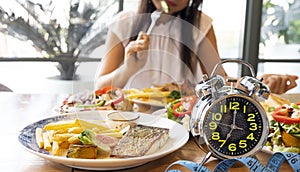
(223,108)
(213,125)
(232,147)
(223,142)
(244,109)
(251,117)
(253,126)
(216,116)
(215,136)
(250,137)
(243,144)
(234,105)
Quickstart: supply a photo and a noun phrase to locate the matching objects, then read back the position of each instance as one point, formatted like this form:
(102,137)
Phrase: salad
(180,110)
(284,128)
(107,98)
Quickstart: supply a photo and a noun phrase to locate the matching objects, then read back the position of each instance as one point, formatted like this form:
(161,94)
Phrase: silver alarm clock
(228,121)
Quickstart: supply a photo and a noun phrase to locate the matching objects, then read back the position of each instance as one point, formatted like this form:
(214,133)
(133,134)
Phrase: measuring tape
(252,164)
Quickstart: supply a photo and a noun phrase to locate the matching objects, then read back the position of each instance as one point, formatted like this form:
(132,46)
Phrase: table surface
(19,110)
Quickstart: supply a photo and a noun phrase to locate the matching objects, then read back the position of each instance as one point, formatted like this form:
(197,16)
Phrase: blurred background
(43,43)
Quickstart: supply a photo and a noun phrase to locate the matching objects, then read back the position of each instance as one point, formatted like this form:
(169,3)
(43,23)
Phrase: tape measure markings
(251,163)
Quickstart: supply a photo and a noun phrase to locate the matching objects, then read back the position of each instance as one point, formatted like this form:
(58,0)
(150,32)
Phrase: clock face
(235,126)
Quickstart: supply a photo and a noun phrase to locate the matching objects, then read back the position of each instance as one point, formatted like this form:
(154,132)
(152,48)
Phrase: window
(54,28)
(280,37)
(228,21)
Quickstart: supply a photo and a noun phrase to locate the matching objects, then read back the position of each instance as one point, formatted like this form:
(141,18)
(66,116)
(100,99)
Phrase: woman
(180,48)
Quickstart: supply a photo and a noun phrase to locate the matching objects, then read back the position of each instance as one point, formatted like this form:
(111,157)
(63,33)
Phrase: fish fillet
(141,140)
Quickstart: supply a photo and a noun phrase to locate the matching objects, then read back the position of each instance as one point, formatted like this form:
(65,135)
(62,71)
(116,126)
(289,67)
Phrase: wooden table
(19,110)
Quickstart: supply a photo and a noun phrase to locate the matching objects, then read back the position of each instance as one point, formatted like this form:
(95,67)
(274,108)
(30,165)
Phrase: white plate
(178,136)
(184,121)
(155,104)
(159,112)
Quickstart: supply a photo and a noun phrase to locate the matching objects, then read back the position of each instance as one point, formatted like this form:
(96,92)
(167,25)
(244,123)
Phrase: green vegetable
(174,94)
(170,112)
(173,103)
(294,105)
(271,109)
(101,103)
(87,137)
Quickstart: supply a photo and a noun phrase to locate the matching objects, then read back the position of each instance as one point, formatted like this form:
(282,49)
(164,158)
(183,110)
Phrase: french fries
(148,94)
(39,137)
(62,137)
(47,144)
(56,137)
(88,125)
(74,139)
(55,148)
(62,125)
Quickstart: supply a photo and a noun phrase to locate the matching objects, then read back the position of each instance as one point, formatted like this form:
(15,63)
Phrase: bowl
(121,119)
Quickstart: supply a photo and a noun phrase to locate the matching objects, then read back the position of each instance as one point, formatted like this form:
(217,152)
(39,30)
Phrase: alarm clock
(228,121)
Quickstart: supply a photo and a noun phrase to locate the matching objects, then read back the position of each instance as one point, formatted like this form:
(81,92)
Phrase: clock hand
(226,125)
(228,134)
(234,117)
(233,126)
(236,127)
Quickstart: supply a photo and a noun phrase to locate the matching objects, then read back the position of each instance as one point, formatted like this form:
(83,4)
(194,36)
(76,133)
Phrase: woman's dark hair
(190,14)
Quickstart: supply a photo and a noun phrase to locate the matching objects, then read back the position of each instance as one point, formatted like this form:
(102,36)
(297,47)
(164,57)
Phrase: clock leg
(207,156)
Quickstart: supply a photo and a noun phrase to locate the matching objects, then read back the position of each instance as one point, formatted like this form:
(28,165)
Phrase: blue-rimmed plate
(178,136)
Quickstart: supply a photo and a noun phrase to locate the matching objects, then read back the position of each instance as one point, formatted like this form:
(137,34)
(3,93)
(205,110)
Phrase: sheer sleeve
(122,26)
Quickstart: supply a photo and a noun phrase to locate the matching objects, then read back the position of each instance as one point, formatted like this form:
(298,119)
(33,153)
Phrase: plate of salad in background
(179,110)
(284,121)
(107,98)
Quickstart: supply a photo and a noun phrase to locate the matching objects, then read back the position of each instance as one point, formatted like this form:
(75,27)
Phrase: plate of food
(284,121)
(64,138)
(107,98)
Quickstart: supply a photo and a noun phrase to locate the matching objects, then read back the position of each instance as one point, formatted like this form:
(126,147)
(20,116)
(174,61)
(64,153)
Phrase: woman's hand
(280,84)
(135,51)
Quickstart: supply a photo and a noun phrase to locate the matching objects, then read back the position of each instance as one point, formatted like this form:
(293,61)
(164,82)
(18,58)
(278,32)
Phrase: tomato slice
(179,110)
(104,90)
(285,119)
(119,99)
(110,89)
(282,114)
